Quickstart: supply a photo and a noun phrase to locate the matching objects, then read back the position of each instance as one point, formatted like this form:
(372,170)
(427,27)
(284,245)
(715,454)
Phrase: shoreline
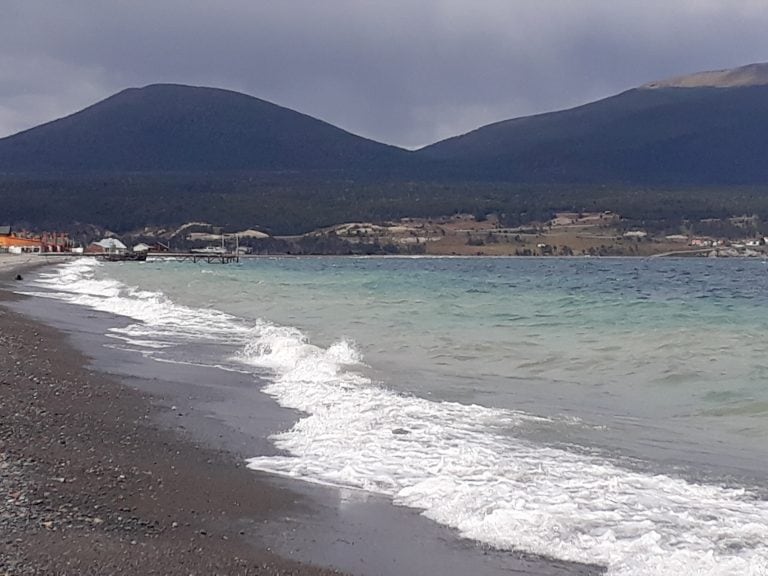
(171,405)
(13,264)
(98,488)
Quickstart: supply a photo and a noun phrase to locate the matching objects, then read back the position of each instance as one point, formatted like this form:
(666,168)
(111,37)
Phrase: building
(18,242)
(10,242)
(106,246)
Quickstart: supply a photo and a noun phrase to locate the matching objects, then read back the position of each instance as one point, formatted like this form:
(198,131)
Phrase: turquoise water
(657,339)
(611,410)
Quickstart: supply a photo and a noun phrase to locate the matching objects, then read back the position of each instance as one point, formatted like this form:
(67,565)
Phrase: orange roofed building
(10,242)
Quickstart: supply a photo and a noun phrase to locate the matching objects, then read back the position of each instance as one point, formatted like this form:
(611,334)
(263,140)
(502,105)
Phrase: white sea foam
(463,465)
(161,321)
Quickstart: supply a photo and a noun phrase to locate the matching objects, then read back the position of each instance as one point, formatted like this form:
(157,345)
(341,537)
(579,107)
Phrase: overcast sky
(406,72)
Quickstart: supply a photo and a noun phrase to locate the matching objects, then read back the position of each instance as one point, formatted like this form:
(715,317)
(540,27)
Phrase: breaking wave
(462,465)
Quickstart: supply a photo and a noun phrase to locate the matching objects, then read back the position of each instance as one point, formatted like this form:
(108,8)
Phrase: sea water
(610,411)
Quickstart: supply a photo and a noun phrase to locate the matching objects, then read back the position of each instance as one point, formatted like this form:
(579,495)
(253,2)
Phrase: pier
(210,258)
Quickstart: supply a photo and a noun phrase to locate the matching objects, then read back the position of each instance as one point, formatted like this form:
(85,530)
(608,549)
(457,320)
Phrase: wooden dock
(210,258)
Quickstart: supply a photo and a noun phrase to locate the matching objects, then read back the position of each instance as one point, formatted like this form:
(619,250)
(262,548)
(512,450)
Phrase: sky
(404,72)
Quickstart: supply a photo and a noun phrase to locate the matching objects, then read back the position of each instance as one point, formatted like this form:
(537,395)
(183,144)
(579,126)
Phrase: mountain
(709,128)
(693,147)
(174,128)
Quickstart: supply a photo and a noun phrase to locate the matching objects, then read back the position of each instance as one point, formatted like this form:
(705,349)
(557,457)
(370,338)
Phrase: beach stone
(85,486)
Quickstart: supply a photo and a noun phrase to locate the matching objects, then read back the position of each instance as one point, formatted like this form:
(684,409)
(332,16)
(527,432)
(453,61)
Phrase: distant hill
(693,147)
(174,128)
(709,128)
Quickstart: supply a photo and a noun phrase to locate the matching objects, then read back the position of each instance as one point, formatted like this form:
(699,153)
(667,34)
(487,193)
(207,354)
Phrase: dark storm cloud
(406,72)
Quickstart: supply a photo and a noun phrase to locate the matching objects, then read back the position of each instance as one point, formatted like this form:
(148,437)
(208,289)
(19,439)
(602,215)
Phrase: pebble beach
(89,485)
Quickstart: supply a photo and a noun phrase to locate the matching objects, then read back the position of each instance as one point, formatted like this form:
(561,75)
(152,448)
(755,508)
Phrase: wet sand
(18,264)
(91,486)
(113,463)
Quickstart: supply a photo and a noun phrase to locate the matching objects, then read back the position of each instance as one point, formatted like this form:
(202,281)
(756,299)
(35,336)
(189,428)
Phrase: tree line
(285,206)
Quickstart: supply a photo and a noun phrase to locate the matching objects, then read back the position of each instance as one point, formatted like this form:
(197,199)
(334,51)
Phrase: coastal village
(565,234)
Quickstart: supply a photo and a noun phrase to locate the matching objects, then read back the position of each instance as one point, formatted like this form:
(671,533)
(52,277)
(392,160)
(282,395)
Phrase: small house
(106,246)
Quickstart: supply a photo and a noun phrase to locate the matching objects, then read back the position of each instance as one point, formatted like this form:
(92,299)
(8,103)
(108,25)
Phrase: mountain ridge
(750,75)
(704,128)
(174,127)
(663,136)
